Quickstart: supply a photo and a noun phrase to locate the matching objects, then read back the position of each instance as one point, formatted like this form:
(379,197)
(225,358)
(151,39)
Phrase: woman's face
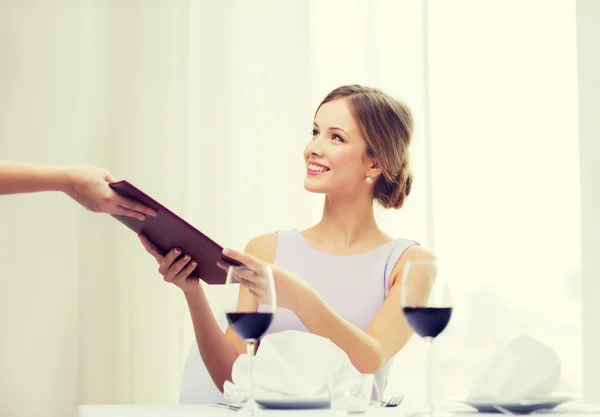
(336,158)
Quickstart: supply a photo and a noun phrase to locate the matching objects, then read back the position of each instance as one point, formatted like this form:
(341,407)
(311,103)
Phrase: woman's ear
(374,168)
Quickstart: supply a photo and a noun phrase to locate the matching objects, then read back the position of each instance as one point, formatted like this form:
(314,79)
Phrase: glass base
(250,408)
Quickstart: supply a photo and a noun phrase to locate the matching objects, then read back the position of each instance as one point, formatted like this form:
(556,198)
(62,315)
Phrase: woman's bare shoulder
(413,253)
(263,247)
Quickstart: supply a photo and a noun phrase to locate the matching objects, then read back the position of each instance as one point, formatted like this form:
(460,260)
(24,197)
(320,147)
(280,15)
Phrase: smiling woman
(365,120)
(358,154)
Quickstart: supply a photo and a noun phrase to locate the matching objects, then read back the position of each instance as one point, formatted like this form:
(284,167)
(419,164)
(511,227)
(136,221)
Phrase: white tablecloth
(207,410)
(188,410)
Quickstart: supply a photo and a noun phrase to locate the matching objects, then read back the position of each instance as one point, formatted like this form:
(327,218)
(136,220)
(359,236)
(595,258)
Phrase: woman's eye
(315,132)
(337,137)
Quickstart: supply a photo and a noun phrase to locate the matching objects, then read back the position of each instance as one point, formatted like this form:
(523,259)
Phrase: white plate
(521,407)
(279,403)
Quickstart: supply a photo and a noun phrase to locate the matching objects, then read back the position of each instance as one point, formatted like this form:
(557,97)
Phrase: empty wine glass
(251,318)
(427,308)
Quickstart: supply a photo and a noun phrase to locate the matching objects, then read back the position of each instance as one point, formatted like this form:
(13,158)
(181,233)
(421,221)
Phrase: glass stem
(250,352)
(429,374)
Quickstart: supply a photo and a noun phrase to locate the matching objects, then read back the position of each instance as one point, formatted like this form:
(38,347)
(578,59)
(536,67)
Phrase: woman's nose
(316,146)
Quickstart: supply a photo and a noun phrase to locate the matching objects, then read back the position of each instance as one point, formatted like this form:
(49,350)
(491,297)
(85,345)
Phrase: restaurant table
(188,410)
(200,410)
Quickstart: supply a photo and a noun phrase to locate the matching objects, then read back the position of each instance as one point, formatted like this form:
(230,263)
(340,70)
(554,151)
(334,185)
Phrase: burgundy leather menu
(167,230)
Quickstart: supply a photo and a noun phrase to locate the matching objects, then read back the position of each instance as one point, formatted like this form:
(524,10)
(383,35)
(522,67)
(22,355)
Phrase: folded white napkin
(525,368)
(290,364)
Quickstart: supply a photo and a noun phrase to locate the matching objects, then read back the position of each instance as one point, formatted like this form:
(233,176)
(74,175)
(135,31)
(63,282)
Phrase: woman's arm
(88,185)
(368,350)
(387,333)
(218,350)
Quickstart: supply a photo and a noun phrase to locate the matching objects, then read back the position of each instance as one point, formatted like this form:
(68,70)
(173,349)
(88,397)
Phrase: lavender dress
(365,280)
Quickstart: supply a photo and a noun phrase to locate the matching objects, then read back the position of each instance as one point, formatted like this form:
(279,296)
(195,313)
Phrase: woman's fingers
(168,260)
(172,267)
(248,260)
(224,265)
(247,275)
(177,267)
(238,271)
(150,248)
(256,289)
(185,272)
(244,274)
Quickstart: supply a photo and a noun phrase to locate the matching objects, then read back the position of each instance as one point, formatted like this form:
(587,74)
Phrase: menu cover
(167,230)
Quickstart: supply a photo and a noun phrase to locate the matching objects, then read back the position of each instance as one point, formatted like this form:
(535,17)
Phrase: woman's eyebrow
(331,128)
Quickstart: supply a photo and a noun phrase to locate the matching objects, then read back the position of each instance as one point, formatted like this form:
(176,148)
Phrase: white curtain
(588,68)
(207,106)
(179,98)
(506,181)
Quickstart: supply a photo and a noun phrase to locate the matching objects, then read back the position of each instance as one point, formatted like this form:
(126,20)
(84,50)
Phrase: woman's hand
(174,268)
(290,289)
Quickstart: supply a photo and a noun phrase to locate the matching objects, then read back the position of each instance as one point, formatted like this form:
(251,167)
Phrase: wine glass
(251,320)
(427,308)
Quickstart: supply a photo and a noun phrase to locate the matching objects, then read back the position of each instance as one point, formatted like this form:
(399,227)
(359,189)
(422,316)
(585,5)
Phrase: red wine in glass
(250,321)
(428,321)
(427,308)
(250,325)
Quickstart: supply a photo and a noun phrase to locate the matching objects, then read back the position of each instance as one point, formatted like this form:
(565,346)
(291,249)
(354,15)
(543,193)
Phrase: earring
(369,180)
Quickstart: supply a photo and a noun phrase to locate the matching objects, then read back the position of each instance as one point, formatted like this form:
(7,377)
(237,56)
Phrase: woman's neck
(347,223)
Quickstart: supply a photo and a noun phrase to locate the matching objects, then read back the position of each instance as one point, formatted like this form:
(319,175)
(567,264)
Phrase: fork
(393,402)
(227,406)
